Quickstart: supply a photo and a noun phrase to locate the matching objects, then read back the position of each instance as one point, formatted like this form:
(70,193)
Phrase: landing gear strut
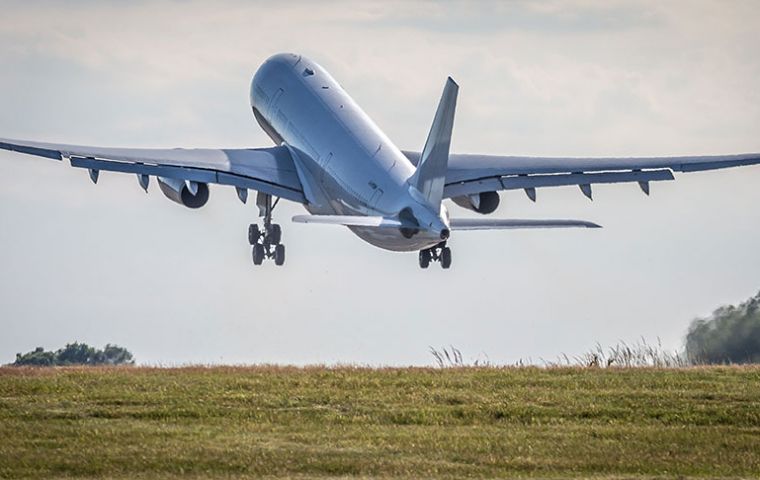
(266,240)
(439,253)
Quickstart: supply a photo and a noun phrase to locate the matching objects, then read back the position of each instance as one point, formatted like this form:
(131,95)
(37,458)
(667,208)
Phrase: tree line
(76,354)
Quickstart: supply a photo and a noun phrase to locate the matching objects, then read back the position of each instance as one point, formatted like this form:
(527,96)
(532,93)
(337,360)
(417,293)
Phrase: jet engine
(187,193)
(484,203)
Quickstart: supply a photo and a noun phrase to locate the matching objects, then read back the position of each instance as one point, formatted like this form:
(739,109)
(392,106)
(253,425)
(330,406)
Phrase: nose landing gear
(266,241)
(439,253)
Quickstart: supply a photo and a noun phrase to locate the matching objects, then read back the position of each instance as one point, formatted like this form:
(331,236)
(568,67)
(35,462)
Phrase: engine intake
(485,202)
(189,194)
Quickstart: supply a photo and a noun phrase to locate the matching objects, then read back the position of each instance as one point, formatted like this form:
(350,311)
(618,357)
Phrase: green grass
(230,422)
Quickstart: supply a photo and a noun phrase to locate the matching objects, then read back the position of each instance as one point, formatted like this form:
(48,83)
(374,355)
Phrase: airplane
(334,160)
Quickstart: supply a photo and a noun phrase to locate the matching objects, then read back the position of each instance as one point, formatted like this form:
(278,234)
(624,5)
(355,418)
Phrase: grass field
(230,422)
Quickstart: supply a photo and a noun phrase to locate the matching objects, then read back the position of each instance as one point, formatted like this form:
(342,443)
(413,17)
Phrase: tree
(730,335)
(116,355)
(37,357)
(76,354)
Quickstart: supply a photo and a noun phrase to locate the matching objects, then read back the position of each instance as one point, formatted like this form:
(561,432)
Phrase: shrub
(730,335)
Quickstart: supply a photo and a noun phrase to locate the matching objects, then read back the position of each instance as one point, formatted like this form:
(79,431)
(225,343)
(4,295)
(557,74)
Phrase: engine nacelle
(485,203)
(189,194)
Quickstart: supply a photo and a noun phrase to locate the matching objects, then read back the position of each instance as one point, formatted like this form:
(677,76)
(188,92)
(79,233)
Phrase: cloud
(497,17)
(583,72)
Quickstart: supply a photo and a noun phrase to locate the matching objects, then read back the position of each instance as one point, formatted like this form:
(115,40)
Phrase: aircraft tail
(430,177)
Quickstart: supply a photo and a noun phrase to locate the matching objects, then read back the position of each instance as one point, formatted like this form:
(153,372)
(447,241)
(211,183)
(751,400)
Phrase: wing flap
(191,174)
(519,182)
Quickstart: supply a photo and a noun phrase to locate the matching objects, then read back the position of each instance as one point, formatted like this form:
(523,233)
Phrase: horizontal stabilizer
(349,220)
(507,224)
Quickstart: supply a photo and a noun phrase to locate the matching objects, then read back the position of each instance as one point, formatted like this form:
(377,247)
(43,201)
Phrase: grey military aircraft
(332,158)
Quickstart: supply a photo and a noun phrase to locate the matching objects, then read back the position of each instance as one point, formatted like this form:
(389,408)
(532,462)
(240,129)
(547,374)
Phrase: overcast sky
(108,263)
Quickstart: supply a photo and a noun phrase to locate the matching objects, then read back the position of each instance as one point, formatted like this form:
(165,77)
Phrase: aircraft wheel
(253,234)
(424,258)
(279,254)
(275,234)
(446,257)
(258,254)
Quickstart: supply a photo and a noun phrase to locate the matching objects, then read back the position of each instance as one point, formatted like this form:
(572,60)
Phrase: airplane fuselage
(348,165)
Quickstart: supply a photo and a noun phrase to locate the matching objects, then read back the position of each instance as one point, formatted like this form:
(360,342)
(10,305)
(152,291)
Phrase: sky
(110,264)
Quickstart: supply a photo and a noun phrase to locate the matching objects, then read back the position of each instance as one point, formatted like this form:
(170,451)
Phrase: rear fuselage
(347,165)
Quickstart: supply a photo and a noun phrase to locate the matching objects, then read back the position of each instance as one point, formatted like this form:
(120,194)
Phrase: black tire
(275,234)
(258,254)
(446,257)
(279,255)
(253,234)
(424,259)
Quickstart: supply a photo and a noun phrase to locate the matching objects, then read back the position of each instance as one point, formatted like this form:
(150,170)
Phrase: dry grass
(249,422)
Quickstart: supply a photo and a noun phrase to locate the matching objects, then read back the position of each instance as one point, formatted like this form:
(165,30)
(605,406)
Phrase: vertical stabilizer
(431,169)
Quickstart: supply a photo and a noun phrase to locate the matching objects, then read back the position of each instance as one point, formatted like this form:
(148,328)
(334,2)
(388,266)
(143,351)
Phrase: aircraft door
(325,177)
(375,197)
(273,103)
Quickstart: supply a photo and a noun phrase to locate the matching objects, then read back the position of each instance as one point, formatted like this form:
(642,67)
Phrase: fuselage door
(325,165)
(376,195)
(273,104)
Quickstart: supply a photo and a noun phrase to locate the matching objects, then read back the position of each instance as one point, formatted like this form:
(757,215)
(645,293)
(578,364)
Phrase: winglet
(430,176)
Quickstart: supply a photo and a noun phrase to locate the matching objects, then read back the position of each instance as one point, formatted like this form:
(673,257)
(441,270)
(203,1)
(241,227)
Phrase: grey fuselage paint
(350,165)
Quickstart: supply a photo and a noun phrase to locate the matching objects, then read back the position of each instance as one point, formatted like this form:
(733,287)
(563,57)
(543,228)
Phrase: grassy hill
(229,422)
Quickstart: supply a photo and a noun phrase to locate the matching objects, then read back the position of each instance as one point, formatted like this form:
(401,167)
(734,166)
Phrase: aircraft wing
(469,174)
(268,170)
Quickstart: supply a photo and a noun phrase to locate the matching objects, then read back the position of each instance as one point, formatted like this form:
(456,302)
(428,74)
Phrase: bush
(730,335)
(76,354)
(37,357)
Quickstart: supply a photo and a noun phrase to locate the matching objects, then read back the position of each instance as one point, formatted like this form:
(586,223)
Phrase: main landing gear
(266,240)
(439,253)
